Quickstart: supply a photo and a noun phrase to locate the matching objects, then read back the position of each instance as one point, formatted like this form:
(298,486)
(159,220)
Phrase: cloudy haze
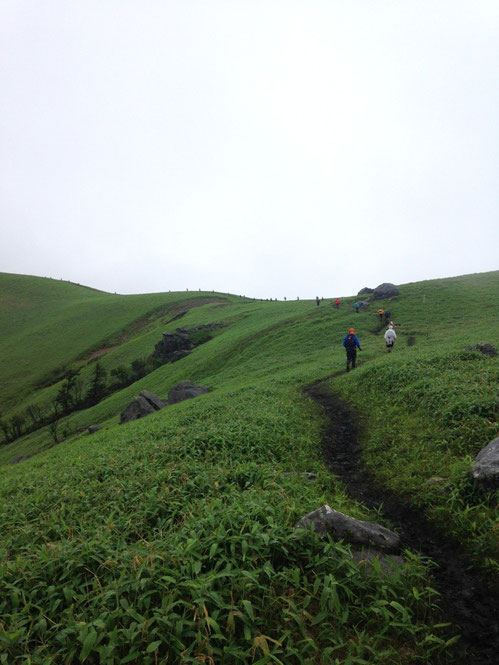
(270,148)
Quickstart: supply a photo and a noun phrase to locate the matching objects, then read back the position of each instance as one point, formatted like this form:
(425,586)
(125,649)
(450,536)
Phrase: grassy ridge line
(46,325)
(53,337)
(173,538)
(263,340)
(270,338)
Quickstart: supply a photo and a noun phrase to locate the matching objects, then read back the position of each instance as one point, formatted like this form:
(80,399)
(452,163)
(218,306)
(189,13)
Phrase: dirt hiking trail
(467,599)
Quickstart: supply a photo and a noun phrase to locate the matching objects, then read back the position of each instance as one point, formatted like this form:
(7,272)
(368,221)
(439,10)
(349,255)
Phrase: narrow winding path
(467,599)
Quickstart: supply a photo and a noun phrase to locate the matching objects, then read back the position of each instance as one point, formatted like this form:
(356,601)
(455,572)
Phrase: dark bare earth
(468,599)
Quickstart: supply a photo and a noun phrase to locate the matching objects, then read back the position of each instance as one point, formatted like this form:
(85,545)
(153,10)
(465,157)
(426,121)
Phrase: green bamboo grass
(171,539)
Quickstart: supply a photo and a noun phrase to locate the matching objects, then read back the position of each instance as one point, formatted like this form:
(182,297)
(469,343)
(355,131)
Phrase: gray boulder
(485,471)
(325,520)
(153,399)
(93,428)
(185,390)
(385,290)
(365,290)
(364,304)
(484,347)
(138,408)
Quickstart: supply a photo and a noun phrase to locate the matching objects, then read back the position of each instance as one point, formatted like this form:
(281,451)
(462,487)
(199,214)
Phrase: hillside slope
(48,325)
(172,539)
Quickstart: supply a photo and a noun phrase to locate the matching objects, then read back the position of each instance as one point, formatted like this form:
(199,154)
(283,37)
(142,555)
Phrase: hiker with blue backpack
(351,344)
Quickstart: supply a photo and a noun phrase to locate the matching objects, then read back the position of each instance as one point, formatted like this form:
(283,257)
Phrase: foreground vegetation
(171,539)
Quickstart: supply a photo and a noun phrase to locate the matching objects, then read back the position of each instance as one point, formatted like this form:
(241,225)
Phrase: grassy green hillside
(47,326)
(171,539)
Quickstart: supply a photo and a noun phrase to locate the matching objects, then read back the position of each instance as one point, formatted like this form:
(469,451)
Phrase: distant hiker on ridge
(317,300)
(337,303)
(351,344)
(380,313)
(356,307)
(390,337)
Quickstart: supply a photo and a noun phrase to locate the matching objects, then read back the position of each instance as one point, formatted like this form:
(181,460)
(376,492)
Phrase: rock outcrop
(185,390)
(484,347)
(143,405)
(364,291)
(385,290)
(153,399)
(138,408)
(177,345)
(485,471)
(148,402)
(364,304)
(325,520)
(172,347)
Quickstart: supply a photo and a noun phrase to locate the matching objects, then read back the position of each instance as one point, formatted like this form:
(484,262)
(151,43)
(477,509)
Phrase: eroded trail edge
(467,599)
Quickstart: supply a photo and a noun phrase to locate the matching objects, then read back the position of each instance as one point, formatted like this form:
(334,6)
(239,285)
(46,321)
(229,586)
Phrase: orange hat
(351,330)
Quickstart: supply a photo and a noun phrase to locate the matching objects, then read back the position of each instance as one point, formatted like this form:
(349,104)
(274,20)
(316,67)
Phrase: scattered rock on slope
(484,347)
(364,304)
(326,520)
(147,402)
(385,290)
(153,399)
(141,406)
(485,470)
(185,390)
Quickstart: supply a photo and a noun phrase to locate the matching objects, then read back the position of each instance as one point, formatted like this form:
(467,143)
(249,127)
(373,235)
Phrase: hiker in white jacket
(390,337)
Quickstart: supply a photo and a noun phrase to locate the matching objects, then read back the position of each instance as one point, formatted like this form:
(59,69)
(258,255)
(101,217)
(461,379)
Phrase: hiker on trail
(356,306)
(380,313)
(337,303)
(390,337)
(351,344)
(317,300)
(387,316)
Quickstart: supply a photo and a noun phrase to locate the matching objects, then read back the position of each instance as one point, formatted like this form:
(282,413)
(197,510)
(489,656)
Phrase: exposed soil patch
(100,352)
(467,599)
(178,316)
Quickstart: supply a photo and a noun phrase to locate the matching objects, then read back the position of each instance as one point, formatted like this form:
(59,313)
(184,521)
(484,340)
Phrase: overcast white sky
(269,148)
